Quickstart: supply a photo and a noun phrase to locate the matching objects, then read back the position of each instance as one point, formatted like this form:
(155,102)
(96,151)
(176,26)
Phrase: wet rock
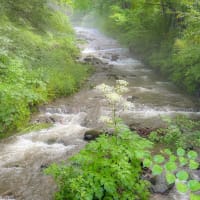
(92,134)
(159,184)
(144,132)
(51,141)
(113,76)
(133,126)
(49,119)
(44,166)
(44,119)
(133,75)
(114,57)
(93,60)
(132,98)
(7,195)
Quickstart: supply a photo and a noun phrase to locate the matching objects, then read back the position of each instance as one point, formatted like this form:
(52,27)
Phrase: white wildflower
(122,89)
(128,105)
(122,82)
(105,119)
(104,88)
(113,97)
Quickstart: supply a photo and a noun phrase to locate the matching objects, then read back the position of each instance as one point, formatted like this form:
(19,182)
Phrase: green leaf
(157,170)
(194,185)
(181,187)
(147,163)
(172,158)
(183,161)
(159,159)
(194,197)
(193,164)
(182,175)
(171,166)
(167,151)
(140,154)
(192,155)
(180,152)
(170,178)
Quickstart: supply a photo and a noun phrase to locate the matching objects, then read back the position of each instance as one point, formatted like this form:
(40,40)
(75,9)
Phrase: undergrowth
(37,60)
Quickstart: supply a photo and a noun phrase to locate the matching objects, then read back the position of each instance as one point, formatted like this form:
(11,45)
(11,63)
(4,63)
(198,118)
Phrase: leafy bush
(180,132)
(176,169)
(37,60)
(108,168)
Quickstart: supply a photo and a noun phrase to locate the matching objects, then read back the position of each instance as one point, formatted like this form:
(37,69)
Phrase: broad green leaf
(159,159)
(147,163)
(192,155)
(183,161)
(157,170)
(182,175)
(181,187)
(193,164)
(170,178)
(171,166)
(194,185)
(180,152)
(194,196)
(172,158)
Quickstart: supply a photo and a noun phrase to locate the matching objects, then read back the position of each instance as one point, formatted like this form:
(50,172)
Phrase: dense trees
(36,42)
(165,33)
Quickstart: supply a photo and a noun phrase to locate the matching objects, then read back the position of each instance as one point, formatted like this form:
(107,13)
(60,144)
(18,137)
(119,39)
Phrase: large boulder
(93,60)
(92,134)
(159,184)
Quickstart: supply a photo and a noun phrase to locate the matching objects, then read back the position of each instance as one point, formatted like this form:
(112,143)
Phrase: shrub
(180,132)
(108,168)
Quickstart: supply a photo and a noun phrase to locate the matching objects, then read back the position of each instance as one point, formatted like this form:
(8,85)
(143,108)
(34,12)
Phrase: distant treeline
(165,33)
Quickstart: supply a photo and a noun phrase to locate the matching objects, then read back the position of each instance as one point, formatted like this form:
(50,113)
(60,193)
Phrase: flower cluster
(113,94)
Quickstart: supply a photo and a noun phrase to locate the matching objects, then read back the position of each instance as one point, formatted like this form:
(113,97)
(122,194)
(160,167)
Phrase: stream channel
(23,158)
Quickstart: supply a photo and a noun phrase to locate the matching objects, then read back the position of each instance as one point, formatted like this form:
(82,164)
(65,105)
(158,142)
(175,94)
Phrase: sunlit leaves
(171,166)
(194,185)
(194,196)
(182,175)
(147,163)
(193,164)
(170,178)
(157,170)
(183,161)
(159,159)
(192,155)
(181,187)
(180,152)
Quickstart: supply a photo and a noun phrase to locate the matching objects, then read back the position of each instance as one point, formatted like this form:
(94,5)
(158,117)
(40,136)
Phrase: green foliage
(170,177)
(176,169)
(107,168)
(110,167)
(159,159)
(180,133)
(164,33)
(182,175)
(37,60)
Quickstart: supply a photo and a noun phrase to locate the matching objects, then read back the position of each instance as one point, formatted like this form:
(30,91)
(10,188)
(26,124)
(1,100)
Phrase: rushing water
(22,158)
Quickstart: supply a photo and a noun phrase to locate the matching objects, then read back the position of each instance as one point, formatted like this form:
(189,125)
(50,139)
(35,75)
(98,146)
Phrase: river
(23,158)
